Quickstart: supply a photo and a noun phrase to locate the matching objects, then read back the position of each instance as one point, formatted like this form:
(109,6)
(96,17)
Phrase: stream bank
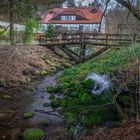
(120,65)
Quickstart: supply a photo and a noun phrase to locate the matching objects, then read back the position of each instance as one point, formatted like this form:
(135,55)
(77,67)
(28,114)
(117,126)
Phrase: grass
(108,62)
(78,103)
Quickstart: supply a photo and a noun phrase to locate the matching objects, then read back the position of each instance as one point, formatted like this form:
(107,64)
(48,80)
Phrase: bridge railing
(90,38)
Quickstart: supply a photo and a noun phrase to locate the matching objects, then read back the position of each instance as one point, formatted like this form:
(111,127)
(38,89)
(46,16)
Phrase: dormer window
(93,11)
(68,17)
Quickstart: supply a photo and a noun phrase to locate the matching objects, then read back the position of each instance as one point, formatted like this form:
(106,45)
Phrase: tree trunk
(11,14)
(130,7)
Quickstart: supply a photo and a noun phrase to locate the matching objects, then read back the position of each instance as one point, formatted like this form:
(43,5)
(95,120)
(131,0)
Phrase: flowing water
(102,83)
(12,122)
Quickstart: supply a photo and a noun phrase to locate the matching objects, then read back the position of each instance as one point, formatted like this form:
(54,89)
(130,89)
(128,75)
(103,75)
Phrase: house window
(68,17)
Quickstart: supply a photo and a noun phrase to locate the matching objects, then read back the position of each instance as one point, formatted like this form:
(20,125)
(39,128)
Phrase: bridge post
(83,47)
(107,40)
(134,38)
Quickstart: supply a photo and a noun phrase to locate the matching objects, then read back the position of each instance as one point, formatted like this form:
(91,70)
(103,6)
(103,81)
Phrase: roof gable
(89,14)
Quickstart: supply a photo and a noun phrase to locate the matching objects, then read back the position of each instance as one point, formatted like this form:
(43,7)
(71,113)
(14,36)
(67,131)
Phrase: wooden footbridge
(102,42)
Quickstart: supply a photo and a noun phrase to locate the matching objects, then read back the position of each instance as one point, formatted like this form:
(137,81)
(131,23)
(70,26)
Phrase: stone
(46,104)
(28,115)
(7,97)
(33,134)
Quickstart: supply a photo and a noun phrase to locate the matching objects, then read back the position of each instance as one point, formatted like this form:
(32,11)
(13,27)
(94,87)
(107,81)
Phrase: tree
(50,31)
(32,25)
(96,3)
(71,3)
(132,6)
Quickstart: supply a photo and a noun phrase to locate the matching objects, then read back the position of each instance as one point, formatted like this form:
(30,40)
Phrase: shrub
(32,25)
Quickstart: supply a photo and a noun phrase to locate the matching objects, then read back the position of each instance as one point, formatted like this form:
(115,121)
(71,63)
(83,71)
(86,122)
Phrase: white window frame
(69,17)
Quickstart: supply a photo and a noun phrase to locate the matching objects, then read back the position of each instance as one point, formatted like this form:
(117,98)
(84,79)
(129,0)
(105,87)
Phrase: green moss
(77,94)
(101,101)
(85,121)
(63,103)
(108,114)
(125,100)
(51,89)
(33,134)
(95,118)
(89,83)
(85,98)
(52,97)
(70,118)
(91,118)
(72,131)
(43,72)
(7,97)
(48,61)
(46,104)
(28,115)
(55,102)
(107,63)
(72,102)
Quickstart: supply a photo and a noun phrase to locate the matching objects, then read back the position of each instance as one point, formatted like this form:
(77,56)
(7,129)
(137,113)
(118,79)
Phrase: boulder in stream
(33,134)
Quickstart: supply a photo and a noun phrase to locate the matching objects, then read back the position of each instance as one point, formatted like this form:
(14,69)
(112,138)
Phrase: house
(76,18)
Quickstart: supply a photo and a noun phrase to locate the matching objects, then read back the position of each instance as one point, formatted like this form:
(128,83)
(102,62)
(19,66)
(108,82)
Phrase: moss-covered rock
(63,103)
(51,89)
(108,114)
(28,115)
(89,84)
(55,102)
(33,134)
(7,97)
(72,131)
(46,104)
(85,120)
(72,102)
(48,61)
(95,118)
(100,100)
(70,118)
(85,98)
(52,97)
(42,72)
(125,100)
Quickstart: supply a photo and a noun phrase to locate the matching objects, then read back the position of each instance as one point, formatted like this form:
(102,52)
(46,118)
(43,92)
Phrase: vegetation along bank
(81,109)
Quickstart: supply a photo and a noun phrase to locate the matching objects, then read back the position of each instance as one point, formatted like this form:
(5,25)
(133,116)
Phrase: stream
(12,122)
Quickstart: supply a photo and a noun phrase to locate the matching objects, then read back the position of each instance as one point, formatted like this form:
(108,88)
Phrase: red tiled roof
(87,13)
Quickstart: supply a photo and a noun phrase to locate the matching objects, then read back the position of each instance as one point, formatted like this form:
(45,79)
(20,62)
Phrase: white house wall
(17,27)
(86,27)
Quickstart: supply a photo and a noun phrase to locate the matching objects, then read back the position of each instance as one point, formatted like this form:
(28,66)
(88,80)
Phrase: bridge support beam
(82,53)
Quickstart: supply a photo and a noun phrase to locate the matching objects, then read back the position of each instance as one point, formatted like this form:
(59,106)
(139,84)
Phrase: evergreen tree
(96,3)
(71,3)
